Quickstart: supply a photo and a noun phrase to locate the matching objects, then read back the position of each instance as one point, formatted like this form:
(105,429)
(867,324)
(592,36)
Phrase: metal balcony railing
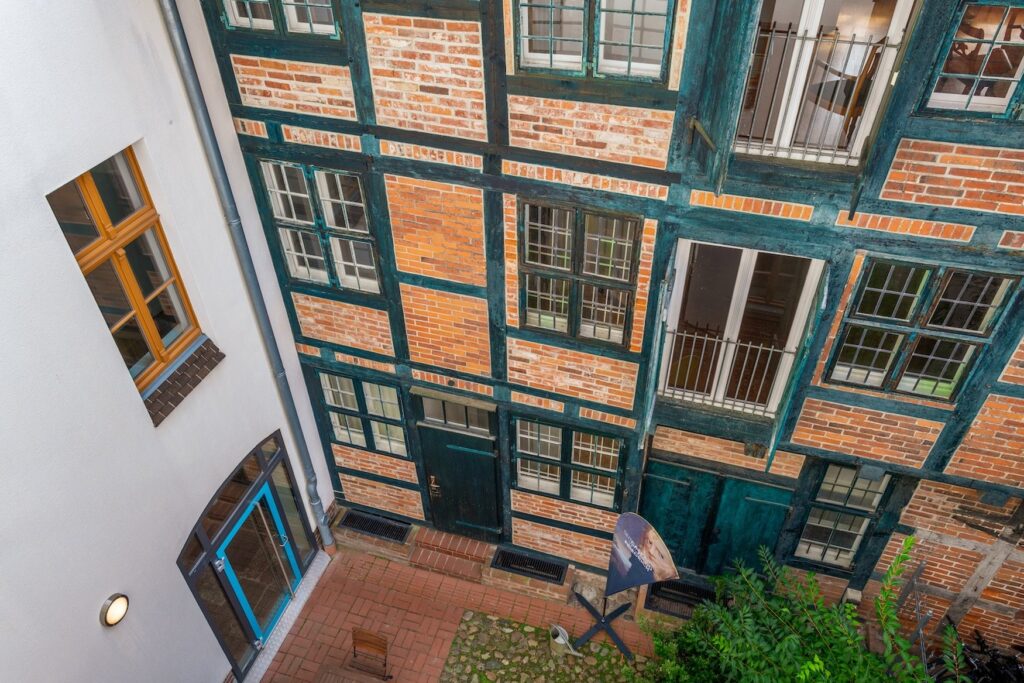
(812,97)
(710,370)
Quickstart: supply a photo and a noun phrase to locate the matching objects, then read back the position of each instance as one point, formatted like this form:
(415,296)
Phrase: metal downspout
(183,56)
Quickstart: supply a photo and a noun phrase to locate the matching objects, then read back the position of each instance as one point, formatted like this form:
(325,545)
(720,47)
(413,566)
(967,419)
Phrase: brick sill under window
(180,378)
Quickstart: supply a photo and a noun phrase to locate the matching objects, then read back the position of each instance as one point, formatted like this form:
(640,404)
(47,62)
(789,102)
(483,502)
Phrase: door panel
(462,480)
(749,516)
(707,521)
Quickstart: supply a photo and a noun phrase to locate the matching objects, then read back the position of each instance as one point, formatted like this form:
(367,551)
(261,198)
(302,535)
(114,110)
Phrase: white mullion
(738,304)
(799,72)
(803,310)
(683,248)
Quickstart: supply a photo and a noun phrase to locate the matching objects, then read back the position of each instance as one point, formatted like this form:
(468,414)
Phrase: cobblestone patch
(489,648)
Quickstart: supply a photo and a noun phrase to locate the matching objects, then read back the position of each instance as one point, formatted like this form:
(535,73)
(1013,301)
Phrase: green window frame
(562,462)
(980,68)
(315,18)
(917,329)
(595,38)
(578,270)
(323,230)
(840,516)
(364,414)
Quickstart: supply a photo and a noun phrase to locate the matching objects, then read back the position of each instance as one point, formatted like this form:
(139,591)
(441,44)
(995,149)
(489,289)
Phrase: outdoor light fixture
(114,609)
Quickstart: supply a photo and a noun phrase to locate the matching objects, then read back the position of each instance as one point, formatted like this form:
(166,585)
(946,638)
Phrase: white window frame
(740,292)
(236,20)
(296,25)
(552,61)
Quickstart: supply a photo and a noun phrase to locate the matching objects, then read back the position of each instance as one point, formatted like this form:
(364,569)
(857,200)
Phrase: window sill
(168,390)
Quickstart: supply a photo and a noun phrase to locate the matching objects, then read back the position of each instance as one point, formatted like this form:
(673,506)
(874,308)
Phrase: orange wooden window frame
(109,247)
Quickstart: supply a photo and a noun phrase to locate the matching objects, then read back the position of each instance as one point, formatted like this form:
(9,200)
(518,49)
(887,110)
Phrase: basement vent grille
(535,568)
(678,598)
(376,526)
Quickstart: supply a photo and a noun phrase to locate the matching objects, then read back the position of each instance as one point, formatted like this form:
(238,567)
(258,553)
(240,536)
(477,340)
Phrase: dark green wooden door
(749,516)
(707,521)
(462,480)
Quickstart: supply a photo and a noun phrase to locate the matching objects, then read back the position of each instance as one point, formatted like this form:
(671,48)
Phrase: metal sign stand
(603,623)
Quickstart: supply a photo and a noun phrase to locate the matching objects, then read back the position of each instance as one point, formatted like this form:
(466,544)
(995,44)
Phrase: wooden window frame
(109,247)
(917,327)
(591,44)
(575,275)
(565,464)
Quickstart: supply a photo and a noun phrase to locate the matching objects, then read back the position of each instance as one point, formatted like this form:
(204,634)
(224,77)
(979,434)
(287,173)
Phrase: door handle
(434,487)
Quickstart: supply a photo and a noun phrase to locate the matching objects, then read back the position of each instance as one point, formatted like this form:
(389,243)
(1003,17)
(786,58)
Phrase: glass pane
(547,303)
(289,195)
(592,488)
(106,289)
(168,314)
(72,216)
(116,186)
(339,391)
(134,348)
(259,564)
(382,400)
(593,450)
(891,291)
(552,34)
(710,280)
(348,429)
(191,552)
(230,495)
(632,36)
(843,486)
(287,494)
(388,438)
(549,236)
(303,255)
(608,246)
(539,439)
(226,622)
(341,197)
(479,419)
(969,302)
(865,356)
(936,367)
(354,264)
(309,16)
(539,476)
(433,409)
(147,262)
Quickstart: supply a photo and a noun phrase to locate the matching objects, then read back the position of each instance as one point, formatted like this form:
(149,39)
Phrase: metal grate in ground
(376,526)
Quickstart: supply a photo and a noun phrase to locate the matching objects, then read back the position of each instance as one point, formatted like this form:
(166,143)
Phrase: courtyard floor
(421,613)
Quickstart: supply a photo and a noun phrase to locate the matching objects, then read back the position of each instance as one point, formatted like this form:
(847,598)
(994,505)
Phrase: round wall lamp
(114,609)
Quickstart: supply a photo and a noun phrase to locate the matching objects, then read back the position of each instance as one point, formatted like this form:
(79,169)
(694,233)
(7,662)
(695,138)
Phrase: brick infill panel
(257,129)
(993,449)
(643,284)
(955,511)
(342,323)
(406,150)
(868,433)
(585,180)
(453,382)
(364,362)
(511,260)
(563,511)
(608,418)
(899,225)
(1014,371)
(1012,239)
(322,138)
(575,546)
(307,350)
(572,373)
(724,451)
(537,401)
(762,207)
(374,463)
(374,494)
(447,330)
(962,176)
(301,87)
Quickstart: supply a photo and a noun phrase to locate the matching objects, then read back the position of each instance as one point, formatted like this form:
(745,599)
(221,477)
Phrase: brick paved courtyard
(417,609)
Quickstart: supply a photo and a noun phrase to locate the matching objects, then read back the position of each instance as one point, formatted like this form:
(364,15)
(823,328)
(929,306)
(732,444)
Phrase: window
(332,223)
(839,518)
(579,271)
(113,229)
(817,77)
(621,38)
(364,414)
(893,340)
(736,319)
(572,465)
(314,17)
(456,415)
(982,68)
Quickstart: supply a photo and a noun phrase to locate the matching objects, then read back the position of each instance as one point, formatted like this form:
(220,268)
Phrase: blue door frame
(263,494)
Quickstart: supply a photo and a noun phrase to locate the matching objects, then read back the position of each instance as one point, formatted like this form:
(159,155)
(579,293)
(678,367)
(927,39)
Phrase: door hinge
(218,564)
(258,644)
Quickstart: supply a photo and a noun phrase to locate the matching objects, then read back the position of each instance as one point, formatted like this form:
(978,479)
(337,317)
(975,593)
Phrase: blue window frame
(916,329)
(599,38)
(981,65)
(578,466)
(322,226)
(283,17)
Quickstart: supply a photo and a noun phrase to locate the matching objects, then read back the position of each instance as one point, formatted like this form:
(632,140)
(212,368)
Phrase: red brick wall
(511,261)
(427,75)
(643,284)
(564,511)
(345,324)
(433,155)
(447,330)
(438,229)
(964,176)
(915,227)
(452,382)
(321,138)
(374,494)
(1007,586)
(537,401)
(944,509)
(1014,371)
(762,207)
(561,543)
(867,433)
(993,449)
(249,127)
(572,373)
(375,463)
(591,181)
(364,362)
(1012,240)
(723,451)
(998,629)
(301,87)
(609,132)
(608,418)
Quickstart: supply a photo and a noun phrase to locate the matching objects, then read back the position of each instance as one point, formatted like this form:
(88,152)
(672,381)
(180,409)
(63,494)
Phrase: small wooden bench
(370,653)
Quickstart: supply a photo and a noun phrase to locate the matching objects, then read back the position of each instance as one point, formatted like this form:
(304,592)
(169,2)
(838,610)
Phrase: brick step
(454,545)
(459,567)
(372,545)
